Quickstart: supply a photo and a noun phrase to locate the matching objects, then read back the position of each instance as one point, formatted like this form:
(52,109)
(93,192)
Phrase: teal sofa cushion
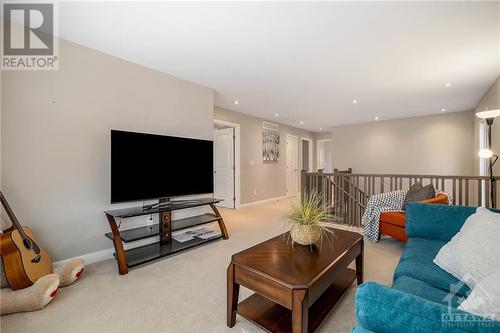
(417,263)
(429,273)
(437,222)
(419,288)
(421,249)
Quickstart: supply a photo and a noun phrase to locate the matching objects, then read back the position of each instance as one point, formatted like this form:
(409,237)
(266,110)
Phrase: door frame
(237,160)
(310,159)
(318,162)
(297,154)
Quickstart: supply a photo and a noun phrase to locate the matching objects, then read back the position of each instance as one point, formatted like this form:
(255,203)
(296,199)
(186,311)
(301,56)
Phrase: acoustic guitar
(24,261)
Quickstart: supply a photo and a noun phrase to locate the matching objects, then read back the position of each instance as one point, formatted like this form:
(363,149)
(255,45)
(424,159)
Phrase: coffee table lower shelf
(275,318)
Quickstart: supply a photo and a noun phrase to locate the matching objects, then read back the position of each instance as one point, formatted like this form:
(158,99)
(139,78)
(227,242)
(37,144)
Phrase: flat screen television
(149,166)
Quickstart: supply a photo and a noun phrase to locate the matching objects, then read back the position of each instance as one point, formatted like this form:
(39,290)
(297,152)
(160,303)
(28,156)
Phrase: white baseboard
(263,201)
(90,258)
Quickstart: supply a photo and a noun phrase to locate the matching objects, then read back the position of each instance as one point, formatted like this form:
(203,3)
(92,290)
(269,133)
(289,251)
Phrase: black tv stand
(166,245)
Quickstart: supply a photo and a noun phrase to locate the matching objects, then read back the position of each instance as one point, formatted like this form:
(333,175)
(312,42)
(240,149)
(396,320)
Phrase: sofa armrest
(382,309)
(437,222)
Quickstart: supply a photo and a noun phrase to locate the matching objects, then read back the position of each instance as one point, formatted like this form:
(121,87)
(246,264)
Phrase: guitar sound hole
(27,243)
(30,245)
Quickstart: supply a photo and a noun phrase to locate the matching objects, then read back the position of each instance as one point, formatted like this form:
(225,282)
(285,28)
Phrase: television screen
(148,166)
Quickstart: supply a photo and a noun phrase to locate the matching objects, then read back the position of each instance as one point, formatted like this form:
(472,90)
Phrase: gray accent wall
(442,144)
(55,138)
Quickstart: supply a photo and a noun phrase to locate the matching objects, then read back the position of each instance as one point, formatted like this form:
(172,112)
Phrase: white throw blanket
(377,204)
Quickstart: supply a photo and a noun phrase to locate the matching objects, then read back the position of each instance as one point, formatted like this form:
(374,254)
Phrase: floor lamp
(487,153)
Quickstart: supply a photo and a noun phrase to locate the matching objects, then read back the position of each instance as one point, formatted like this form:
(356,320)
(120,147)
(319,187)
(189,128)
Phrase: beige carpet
(185,292)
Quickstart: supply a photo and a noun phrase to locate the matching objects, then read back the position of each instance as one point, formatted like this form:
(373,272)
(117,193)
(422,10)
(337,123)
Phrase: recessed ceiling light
(320,129)
(236,102)
(443,110)
(275,114)
(302,123)
(376,118)
(354,101)
(447,84)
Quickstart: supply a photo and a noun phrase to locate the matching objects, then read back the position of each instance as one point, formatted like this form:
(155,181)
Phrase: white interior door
(292,172)
(224,166)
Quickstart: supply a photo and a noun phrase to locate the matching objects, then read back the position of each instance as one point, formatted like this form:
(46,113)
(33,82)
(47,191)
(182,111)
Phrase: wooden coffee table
(295,288)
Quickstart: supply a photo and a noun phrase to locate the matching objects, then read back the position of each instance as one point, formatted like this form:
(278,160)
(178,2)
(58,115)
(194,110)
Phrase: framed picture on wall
(270,147)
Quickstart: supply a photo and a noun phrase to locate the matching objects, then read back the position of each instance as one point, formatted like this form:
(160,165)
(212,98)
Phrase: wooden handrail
(386,175)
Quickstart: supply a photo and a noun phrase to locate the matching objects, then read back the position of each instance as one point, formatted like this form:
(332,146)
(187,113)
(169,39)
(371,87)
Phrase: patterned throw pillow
(415,187)
(419,193)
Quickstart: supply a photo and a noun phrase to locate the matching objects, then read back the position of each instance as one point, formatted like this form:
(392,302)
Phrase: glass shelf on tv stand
(164,207)
(166,245)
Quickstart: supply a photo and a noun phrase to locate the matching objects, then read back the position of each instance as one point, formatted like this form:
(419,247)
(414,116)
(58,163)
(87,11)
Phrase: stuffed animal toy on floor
(42,291)
(31,298)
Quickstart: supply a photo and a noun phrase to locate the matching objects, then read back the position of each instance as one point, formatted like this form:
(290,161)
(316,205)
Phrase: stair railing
(348,193)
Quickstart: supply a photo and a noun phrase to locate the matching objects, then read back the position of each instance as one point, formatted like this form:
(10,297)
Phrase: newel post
(303,182)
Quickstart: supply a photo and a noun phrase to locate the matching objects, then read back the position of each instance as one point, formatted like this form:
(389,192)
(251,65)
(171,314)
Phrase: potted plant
(309,219)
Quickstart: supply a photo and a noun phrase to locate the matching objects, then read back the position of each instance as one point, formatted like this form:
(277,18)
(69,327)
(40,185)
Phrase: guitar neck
(11,215)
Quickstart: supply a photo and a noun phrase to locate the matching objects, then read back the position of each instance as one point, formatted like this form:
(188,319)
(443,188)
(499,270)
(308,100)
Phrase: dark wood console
(166,245)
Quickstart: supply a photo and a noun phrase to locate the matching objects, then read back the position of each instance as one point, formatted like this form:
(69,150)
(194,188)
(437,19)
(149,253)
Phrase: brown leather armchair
(393,223)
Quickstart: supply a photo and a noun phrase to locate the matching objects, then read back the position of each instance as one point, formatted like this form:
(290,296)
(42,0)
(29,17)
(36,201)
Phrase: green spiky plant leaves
(310,219)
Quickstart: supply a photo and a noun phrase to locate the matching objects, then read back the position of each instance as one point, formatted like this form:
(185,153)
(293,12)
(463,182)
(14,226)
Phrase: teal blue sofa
(423,297)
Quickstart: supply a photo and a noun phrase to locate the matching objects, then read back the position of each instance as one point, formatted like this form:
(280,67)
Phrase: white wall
(56,138)
(440,144)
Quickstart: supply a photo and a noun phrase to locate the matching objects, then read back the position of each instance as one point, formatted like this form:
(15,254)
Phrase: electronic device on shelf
(149,166)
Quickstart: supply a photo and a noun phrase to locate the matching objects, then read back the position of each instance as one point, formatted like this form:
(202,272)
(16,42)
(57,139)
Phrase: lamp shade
(485,153)
(488,114)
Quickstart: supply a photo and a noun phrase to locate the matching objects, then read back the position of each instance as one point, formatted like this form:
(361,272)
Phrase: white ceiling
(307,61)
